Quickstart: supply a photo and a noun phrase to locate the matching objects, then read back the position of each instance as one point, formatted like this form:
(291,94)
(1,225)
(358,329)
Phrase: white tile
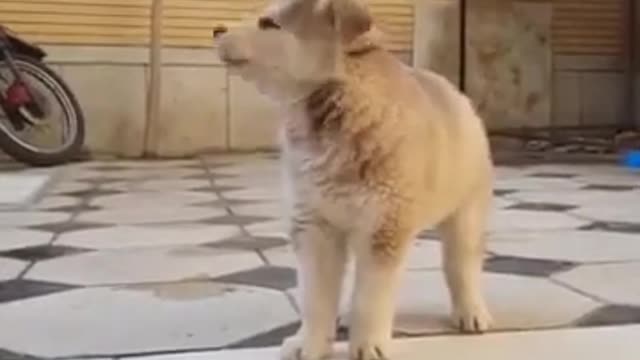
(424,255)
(140,318)
(578,246)
(69,186)
(536,184)
(136,216)
(574,197)
(152,199)
(11,268)
(52,202)
(21,238)
(615,343)
(127,237)
(30,218)
(423,304)
(627,210)
(18,189)
(157,185)
(617,283)
(525,220)
(269,228)
(158,264)
(268,209)
(254,193)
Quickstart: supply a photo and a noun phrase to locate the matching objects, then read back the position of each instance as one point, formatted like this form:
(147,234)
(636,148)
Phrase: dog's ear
(350,18)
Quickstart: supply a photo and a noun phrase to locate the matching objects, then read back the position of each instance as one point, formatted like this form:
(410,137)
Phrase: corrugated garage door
(589,27)
(188,23)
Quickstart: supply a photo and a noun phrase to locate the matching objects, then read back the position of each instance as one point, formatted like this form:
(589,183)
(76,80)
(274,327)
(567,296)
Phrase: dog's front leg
(321,254)
(379,262)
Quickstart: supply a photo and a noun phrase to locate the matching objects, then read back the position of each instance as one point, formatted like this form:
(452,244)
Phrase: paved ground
(126,259)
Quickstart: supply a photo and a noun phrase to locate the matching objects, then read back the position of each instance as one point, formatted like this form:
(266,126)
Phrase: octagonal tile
(254,193)
(572,197)
(64,187)
(620,211)
(150,215)
(575,246)
(536,183)
(423,303)
(21,238)
(157,185)
(138,265)
(11,268)
(269,228)
(55,202)
(141,318)
(151,199)
(524,220)
(119,237)
(31,218)
(617,283)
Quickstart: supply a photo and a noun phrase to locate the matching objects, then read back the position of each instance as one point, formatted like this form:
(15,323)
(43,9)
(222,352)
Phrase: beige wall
(204,108)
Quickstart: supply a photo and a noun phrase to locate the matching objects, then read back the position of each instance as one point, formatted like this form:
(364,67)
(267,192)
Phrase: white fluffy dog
(374,152)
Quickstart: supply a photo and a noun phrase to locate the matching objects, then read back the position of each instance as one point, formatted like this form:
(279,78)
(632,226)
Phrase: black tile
(552,175)
(503,192)
(239,220)
(227,203)
(216,188)
(271,338)
(525,266)
(256,243)
(613,188)
(111,167)
(44,252)
(272,277)
(627,228)
(76,208)
(209,176)
(611,315)
(24,289)
(542,206)
(68,226)
(93,192)
(9,355)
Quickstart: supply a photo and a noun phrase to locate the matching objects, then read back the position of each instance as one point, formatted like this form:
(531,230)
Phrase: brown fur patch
(325,107)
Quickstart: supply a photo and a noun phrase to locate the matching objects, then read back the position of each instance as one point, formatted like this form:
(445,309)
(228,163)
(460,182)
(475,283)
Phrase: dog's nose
(219,30)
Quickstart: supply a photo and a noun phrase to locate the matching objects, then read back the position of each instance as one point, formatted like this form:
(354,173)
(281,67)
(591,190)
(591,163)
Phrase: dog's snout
(219,30)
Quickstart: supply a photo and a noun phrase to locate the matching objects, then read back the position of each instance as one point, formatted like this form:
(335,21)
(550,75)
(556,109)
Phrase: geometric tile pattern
(193,254)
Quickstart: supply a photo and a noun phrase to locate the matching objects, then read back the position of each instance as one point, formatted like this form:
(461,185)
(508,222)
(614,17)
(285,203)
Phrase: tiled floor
(127,259)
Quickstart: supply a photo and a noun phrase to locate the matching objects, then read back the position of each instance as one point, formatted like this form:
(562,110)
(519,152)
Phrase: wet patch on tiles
(272,277)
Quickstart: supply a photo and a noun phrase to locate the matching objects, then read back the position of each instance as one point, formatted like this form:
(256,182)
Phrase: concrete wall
(204,108)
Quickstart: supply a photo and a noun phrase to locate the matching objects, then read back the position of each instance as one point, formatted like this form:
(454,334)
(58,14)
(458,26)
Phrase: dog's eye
(267,23)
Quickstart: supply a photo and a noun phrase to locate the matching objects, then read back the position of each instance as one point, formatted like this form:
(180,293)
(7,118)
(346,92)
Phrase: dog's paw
(474,319)
(368,352)
(292,349)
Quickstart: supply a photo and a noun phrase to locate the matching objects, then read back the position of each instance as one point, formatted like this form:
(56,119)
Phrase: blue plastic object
(632,160)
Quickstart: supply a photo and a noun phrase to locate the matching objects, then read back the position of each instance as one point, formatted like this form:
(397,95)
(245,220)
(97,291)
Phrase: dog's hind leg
(321,253)
(464,250)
